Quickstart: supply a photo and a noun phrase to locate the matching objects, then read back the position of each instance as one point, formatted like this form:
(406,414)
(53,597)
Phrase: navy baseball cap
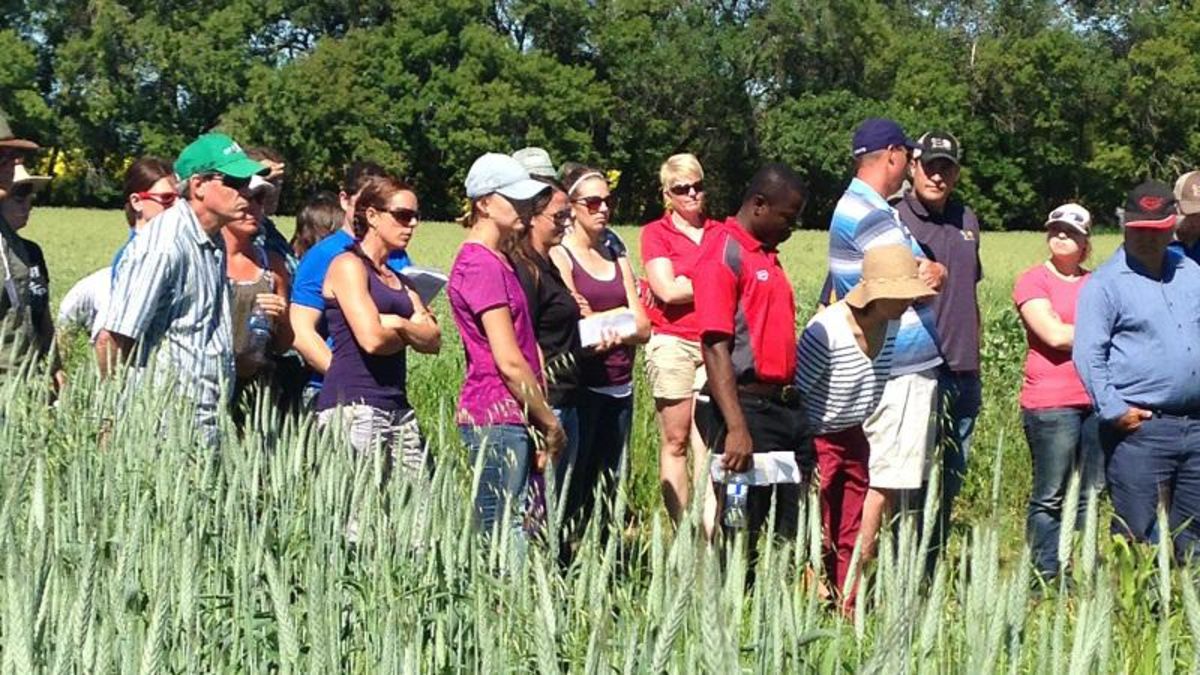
(877,133)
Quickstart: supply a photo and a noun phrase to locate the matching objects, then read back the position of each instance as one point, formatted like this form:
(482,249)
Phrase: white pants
(902,431)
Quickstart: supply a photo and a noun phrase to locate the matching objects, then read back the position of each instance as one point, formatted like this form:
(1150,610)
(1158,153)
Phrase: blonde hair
(684,164)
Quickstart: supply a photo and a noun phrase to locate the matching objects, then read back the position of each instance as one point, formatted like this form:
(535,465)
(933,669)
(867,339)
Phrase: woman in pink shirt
(669,249)
(503,394)
(1060,425)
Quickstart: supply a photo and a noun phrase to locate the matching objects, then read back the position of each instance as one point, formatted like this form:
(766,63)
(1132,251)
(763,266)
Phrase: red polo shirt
(742,291)
(661,239)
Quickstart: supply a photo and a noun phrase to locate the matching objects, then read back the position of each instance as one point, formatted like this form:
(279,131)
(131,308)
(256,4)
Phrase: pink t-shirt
(481,279)
(1050,377)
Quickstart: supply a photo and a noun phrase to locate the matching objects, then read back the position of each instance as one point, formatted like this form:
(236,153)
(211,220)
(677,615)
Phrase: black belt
(783,393)
(1170,414)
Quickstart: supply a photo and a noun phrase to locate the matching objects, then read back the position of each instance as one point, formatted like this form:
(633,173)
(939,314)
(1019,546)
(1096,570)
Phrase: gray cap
(536,161)
(8,140)
(494,172)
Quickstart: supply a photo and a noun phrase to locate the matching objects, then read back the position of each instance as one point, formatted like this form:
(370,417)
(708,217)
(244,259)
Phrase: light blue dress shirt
(1137,338)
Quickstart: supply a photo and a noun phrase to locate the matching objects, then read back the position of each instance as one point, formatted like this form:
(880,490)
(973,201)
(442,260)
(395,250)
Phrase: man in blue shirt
(901,432)
(308,304)
(1187,231)
(1137,350)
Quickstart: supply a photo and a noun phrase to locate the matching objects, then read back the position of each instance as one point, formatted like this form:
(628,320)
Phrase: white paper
(766,468)
(425,281)
(592,328)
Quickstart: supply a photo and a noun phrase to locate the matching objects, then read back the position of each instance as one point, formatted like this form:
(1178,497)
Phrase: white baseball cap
(1073,215)
(494,172)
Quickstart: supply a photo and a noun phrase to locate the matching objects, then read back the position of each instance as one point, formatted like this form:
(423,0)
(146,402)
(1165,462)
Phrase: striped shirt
(171,295)
(863,220)
(840,386)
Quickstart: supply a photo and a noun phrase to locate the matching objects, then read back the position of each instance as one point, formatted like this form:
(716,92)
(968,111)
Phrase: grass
(133,551)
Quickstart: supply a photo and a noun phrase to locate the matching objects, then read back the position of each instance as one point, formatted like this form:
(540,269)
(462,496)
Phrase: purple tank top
(354,376)
(616,365)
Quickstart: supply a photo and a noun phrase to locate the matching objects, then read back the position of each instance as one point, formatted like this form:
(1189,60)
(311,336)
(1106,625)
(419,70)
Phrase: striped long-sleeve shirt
(171,295)
(840,385)
(863,220)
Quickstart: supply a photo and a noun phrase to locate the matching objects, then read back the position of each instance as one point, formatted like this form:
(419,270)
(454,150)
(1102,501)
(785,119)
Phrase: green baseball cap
(216,153)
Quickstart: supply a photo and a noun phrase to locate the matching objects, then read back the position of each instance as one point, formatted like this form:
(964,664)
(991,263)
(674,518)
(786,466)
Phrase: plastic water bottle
(737,491)
(260,331)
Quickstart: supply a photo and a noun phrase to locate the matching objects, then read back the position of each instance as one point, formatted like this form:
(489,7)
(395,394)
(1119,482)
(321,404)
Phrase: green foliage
(1053,101)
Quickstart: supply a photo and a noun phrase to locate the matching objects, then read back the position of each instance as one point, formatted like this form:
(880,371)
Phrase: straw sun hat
(888,273)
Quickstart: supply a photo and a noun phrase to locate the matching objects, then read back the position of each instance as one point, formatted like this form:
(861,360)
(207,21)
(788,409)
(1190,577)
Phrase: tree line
(1051,99)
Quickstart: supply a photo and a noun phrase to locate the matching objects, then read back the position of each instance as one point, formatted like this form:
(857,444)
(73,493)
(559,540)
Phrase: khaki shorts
(902,431)
(675,367)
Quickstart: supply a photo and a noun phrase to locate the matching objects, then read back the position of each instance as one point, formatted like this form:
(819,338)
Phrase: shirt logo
(968,235)
(762,275)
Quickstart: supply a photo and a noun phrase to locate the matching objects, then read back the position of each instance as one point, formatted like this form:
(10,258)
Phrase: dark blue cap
(877,133)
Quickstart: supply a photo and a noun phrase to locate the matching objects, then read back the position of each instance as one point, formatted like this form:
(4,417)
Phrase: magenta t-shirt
(482,279)
(1050,377)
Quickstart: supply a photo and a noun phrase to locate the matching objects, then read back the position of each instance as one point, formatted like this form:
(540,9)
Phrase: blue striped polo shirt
(863,220)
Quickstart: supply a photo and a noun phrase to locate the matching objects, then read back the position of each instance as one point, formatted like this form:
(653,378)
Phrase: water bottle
(260,331)
(737,491)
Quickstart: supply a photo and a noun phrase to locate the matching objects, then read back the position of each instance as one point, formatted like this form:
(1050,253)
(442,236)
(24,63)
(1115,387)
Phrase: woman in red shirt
(1060,425)
(669,249)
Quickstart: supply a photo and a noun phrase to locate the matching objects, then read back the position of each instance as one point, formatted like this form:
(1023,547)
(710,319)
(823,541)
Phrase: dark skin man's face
(774,223)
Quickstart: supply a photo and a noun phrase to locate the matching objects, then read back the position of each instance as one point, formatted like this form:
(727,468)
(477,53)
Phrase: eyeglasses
(686,188)
(165,199)
(594,202)
(404,216)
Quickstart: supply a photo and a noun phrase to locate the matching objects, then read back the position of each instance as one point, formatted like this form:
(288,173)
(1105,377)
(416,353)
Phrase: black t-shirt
(556,324)
(39,282)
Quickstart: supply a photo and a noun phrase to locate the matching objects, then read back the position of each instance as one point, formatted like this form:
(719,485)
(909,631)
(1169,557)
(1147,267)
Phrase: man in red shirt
(749,412)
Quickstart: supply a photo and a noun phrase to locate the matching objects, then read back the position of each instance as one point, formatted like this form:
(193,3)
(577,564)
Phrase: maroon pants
(842,462)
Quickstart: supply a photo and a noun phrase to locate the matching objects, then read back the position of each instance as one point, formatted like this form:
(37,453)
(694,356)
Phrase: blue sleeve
(306,286)
(1095,318)
(398,261)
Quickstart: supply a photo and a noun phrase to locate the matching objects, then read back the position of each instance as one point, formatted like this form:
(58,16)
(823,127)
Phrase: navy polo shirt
(952,239)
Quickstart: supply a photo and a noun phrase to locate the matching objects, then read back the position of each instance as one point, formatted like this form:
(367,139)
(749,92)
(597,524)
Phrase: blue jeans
(1163,454)
(506,449)
(568,459)
(960,395)
(1060,439)
(605,423)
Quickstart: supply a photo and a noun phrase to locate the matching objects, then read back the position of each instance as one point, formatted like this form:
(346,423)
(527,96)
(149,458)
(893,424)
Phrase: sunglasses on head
(165,199)
(594,202)
(404,216)
(686,188)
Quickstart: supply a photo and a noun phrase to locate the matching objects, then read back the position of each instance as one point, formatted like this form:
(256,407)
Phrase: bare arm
(722,385)
(282,340)
(1041,320)
(422,331)
(558,256)
(516,372)
(346,282)
(307,341)
(634,303)
(112,349)
(666,286)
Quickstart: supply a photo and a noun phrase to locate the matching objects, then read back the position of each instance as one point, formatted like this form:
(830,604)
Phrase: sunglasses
(404,216)
(238,184)
(686,188)
(593,203)
(558,217)
(165,199)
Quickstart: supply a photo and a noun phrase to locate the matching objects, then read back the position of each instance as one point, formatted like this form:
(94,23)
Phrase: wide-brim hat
(888,273)
(21,176)
(9,140)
